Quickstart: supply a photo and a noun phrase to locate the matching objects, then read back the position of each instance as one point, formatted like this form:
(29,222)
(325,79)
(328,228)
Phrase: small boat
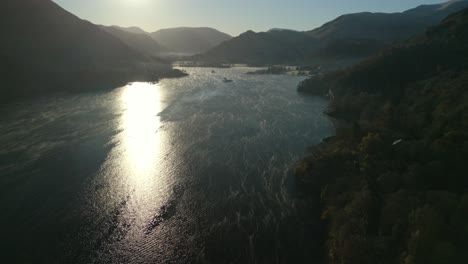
(397,142)
(226,80)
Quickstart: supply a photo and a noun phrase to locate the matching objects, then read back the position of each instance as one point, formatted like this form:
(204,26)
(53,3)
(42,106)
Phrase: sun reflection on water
(134,183)
(140,179)
(141,123)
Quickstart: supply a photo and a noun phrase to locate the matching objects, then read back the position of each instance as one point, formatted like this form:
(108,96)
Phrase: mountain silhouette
(141,42)
(45,48)
(343,41)
(189,41)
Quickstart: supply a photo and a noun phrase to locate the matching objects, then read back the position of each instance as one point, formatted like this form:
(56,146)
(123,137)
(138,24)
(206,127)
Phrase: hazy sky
(232,17)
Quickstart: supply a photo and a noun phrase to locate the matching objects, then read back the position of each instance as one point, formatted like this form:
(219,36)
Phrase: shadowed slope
(45,48)
(393,184)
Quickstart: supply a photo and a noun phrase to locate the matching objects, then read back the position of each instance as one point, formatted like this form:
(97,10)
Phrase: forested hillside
(393,181)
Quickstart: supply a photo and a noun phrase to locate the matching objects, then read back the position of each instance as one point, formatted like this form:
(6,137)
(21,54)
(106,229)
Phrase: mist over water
(189,170)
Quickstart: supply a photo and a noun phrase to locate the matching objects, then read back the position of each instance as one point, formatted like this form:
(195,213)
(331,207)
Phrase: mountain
(392,182)
(387,27)
(280,29)
(343,41)
(189,41)
(135,30)
(45,48)
(263,48)
(138,41)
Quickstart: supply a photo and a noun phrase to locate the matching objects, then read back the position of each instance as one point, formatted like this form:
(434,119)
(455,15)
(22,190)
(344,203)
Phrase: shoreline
(104,84)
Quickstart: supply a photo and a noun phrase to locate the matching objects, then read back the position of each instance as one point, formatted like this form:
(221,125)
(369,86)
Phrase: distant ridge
(273,47)
(281,30)
(136,30)
(387,26)
(140,42)
(187,40)
(343,41)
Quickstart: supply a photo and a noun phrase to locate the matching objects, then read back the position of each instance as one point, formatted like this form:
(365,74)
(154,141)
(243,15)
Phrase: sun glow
(135,2)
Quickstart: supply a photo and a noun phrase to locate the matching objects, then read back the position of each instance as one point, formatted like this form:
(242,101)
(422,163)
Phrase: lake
(190,170)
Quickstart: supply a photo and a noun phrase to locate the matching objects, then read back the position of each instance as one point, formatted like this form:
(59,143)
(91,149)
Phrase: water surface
(189,170)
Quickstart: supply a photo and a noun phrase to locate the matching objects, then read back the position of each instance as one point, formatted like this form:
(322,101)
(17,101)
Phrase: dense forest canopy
(393,181)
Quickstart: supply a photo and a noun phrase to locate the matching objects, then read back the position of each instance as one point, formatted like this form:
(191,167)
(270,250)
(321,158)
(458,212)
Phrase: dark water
(190,170)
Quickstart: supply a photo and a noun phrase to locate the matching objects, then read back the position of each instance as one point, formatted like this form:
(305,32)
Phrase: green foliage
(396,181)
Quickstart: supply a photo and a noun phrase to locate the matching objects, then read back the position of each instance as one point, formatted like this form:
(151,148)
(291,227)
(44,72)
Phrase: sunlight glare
(141,124)
(135,2)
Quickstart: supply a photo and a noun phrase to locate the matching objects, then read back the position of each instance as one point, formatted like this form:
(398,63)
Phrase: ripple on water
(187,170)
